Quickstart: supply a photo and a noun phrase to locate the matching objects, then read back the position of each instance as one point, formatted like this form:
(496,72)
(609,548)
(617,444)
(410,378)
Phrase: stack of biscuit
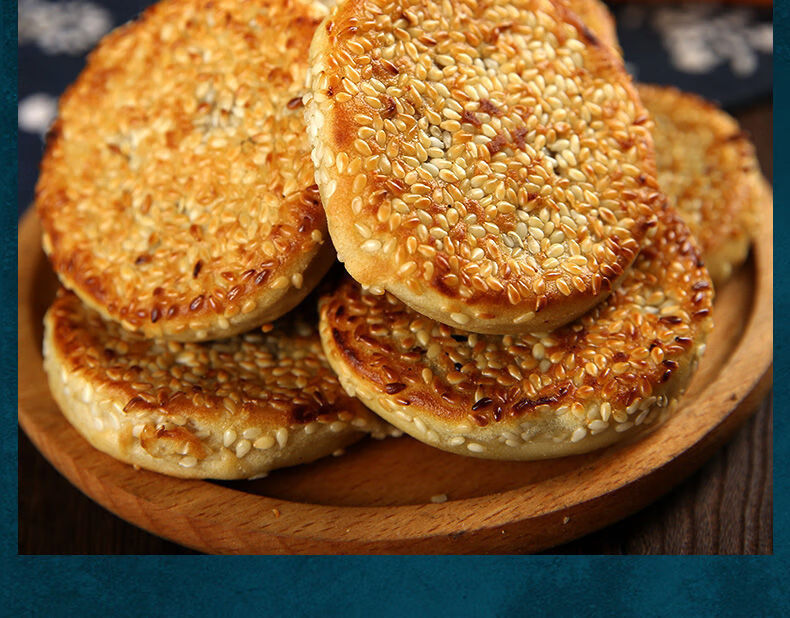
(523,229)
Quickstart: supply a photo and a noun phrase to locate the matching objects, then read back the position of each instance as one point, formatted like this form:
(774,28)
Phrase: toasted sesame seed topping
(499,171)
(709,171)
(195,401)
(595,15)
(508,396)
(177,194)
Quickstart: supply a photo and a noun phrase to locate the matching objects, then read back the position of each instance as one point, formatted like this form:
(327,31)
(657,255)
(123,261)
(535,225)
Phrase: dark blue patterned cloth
(722,53)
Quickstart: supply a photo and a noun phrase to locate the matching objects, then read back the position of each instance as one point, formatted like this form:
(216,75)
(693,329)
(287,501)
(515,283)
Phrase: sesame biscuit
(610,374)
(709,171)
(177,193)
(228,409)
(486,163)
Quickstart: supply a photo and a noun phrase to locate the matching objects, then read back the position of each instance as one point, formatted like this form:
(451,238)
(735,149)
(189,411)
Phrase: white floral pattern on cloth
(36,113)
(699,38)
(62,27)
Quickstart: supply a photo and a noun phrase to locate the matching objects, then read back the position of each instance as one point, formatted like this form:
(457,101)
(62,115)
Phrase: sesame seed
(579,434)
(252,433)
(371,246)
(461,318)
(229,437)
(263,443)
(242,448)
(280,283)
(282,437)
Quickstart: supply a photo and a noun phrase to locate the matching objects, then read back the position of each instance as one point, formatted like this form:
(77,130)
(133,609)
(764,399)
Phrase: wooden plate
(377,497)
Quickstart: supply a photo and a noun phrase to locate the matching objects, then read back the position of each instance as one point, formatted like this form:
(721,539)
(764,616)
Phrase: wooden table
(724,508)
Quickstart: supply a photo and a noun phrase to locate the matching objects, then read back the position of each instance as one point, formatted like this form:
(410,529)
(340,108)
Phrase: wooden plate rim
(373,527)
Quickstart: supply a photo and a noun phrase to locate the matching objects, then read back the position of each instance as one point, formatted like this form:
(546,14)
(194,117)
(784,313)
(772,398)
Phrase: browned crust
(708,168)
(232,408)
(597,18)
(176,192)
(641,343)
(438,281)
(279,378)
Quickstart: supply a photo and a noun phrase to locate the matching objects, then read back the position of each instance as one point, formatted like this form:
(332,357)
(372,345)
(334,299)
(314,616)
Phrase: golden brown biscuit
(228,409)
(487,164)
(177,193)
(614,372)
(709,171)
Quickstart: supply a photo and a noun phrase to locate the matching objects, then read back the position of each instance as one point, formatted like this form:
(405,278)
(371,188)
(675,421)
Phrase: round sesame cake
(709,171)
(227,409)
(489,164)
(609,375)
(177,193)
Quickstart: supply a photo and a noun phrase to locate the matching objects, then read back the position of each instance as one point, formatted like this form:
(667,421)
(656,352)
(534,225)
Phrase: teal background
(8,252)
(398,586)
(390,586)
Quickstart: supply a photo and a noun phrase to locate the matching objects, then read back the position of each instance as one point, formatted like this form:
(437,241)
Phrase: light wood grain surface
(723,509)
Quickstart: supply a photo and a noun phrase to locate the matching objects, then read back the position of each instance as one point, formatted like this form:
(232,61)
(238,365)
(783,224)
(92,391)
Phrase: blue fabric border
(781,283)
(8,255)
(399,586)
(356,586)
